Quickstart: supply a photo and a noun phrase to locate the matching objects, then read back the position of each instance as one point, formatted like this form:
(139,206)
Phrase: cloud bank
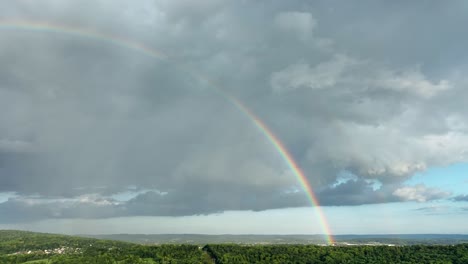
(84,121)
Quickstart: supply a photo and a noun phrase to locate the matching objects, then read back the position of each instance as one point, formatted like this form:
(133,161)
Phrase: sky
(119,116)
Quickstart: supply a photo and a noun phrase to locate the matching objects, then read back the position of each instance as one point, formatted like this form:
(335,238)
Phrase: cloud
(411,81)
(436,209)
(191,200)
(344,72)
(299,75)
(87,118)
(461,198)
(355,192)
(300,23)
(9,145)
(32,209)
(359,192)
(420,193)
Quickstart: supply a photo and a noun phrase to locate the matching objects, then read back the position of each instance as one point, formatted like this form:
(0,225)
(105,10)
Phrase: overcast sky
(369,97)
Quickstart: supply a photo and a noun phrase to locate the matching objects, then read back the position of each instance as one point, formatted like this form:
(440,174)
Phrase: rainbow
(47,27)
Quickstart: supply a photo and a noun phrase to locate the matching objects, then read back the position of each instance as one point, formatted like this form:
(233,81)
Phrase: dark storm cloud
(26,210)
(195,200)
(340,88)
(206,202)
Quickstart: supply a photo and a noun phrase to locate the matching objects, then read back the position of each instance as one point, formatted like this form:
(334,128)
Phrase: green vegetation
(224,254)
(37,248)
(28,247)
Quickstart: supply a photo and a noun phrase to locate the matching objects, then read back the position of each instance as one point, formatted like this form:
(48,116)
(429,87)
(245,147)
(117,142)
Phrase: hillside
(30,247)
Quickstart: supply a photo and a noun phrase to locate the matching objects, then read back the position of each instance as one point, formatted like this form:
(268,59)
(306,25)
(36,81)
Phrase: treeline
(312,254)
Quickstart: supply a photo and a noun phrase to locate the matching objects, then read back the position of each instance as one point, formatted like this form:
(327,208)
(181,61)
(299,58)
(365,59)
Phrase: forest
(37,248)
(224,254)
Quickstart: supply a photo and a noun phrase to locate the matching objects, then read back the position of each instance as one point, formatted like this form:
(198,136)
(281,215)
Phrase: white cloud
(5,196)
(411,81)
(345,72)
(387,150)
(301,75)
(420,193)
(92,199)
